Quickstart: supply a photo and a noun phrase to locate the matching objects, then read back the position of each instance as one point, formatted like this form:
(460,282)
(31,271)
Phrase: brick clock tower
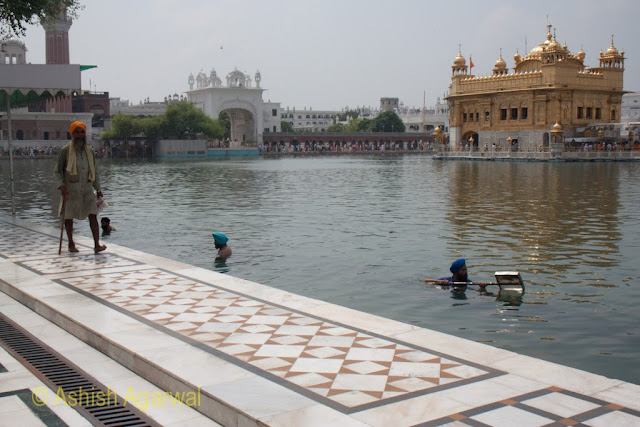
(57,42)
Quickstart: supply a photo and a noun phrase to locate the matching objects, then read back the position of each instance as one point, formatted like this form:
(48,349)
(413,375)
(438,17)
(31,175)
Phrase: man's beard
(79,142)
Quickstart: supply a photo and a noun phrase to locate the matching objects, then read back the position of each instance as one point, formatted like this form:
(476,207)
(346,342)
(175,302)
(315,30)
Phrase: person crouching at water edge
(458,275)
(76,176)
(220,240)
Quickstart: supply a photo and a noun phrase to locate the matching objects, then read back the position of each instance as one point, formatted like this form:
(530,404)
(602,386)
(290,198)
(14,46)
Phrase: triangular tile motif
(376,394)
(445,374)
(366,368)
(320,391)
(288,340)
(347,366)
(323,352)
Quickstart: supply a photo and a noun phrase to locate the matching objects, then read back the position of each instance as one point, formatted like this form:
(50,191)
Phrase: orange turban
(74,125)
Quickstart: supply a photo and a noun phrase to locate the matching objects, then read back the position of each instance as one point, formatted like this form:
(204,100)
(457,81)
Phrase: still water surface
(363,231)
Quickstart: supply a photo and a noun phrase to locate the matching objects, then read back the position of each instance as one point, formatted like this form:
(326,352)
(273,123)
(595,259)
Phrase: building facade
(389,104)
(13,52)
(146,108)
(46,123)
(250,116)
(631,107)
(548,85)
(309,120)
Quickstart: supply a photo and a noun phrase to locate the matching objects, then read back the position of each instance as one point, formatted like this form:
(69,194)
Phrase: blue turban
(220,237)
(457,265)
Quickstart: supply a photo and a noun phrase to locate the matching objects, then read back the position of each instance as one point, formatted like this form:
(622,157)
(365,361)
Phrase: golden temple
(549,92)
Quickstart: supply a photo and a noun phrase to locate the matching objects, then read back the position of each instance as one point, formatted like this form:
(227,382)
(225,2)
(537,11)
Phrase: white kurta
(81,201)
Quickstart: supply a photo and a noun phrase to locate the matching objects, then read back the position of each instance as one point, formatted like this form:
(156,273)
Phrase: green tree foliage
(124,126)
(152,127)
(354,126)
(388,122)
(15,15)
(338,127)
(286,126)
(225,120)
(359,125)
(181,120)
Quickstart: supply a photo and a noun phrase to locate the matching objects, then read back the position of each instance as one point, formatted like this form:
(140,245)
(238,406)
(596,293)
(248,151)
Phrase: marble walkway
(260,355)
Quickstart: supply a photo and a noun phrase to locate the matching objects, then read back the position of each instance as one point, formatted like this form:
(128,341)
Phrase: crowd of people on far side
(321,147)
(31,151)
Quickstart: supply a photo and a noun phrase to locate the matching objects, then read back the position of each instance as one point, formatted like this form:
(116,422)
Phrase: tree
(388,122)
(180,120)
(225,120)
(152,127)
(124,126)
(359,125)
(286,126)
(338,127)
(15,15)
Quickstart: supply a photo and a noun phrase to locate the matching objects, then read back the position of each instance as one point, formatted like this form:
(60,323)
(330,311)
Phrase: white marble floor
(359,367)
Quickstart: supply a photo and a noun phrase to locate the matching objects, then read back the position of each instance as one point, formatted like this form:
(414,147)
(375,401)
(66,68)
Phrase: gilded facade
(548,85)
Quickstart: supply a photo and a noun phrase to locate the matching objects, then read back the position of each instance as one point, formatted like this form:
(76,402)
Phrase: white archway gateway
(240,99)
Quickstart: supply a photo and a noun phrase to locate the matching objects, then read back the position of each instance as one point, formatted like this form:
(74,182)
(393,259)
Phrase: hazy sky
(327,54)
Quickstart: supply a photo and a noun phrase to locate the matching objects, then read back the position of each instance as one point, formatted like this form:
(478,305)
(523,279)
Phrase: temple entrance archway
(242,126)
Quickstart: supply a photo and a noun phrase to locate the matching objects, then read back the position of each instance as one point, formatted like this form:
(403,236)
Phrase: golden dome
(536,51)
(500,63)
(557,127)
(581,55)
(517,57)
(612,49)
(459,61)
(554,45)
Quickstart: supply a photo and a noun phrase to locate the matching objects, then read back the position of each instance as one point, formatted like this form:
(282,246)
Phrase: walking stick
(62,213)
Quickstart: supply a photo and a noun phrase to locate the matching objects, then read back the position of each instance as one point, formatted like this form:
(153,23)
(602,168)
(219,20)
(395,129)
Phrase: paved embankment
(256,355)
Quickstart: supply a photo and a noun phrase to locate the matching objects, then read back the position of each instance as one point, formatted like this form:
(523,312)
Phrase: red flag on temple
(470,63)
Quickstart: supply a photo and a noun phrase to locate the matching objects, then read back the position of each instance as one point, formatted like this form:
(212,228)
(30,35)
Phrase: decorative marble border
(284,381)
(549,406)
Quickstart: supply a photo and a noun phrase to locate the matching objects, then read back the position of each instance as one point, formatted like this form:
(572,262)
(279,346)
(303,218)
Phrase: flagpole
(13,202)
(424,109)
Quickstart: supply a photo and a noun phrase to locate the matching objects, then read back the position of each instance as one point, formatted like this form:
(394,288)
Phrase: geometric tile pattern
(347,367)
(18,242)
(549,406)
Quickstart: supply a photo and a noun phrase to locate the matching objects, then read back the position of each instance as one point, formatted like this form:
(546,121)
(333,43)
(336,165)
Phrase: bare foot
(72,248)
(99,248)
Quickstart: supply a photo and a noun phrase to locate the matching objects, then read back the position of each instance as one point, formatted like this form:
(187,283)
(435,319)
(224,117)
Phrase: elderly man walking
(77,177)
